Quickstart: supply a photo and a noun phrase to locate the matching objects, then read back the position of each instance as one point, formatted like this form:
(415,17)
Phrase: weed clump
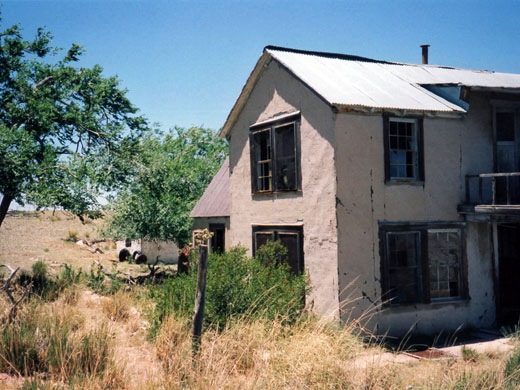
(237,286)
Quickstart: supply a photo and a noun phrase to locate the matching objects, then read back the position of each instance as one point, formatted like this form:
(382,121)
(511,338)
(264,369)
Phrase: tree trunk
(4,206)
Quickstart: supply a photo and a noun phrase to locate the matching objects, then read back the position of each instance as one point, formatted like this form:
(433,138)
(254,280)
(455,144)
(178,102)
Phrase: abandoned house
(394,186)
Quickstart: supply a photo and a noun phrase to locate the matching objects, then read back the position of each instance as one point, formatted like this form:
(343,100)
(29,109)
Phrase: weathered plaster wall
(278,92)
(452,149)
(203,223)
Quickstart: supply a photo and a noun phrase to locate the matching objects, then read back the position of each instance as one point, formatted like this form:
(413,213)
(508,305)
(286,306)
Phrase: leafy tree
(66,133)
(173,171)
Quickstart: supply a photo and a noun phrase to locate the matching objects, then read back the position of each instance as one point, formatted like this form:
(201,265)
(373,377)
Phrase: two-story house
(392,185)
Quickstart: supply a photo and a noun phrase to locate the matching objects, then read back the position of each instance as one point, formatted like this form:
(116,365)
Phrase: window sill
(405,182)
(406,307)
(275,192)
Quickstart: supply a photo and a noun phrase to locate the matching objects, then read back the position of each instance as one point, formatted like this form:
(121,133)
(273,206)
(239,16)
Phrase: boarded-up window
(275,157)
(290,236)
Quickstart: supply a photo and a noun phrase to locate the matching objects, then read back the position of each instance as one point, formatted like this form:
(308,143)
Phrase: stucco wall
(452,149)
(278,92)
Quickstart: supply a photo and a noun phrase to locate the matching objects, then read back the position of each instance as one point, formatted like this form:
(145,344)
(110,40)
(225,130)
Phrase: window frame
(275,230)
(423,278)
(419,134)
(271,126)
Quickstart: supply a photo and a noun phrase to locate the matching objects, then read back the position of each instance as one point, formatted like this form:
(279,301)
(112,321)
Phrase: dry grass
(117,307)
(310,355)
(110,333)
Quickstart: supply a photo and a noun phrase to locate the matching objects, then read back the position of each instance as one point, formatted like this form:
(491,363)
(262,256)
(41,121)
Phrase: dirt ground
(26,237)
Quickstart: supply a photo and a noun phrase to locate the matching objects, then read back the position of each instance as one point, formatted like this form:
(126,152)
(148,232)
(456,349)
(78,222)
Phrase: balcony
(492,193)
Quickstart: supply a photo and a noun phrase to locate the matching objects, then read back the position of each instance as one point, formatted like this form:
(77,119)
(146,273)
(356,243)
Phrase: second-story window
(275,156)
(403,150)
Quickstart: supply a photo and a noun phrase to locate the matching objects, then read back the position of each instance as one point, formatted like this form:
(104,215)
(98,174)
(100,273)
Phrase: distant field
(29,236)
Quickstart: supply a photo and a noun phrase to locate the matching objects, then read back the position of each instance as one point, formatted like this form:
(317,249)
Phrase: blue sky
(185,62)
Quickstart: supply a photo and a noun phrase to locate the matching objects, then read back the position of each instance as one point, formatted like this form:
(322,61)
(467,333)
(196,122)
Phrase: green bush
(236,286)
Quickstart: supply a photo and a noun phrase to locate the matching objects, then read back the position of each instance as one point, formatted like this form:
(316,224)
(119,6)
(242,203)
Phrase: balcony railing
(495,189)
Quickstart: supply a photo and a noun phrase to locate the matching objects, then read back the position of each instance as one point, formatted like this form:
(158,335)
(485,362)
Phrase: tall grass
(42,340)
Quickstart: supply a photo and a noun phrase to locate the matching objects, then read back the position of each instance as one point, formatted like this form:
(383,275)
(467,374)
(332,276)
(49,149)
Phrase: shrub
(72,236)
(236,286)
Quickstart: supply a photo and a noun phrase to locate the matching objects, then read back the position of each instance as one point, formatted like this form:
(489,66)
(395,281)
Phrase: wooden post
(200,298)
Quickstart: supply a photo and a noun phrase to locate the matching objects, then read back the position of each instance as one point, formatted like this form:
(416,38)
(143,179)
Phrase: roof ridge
(352,57)
(330,55)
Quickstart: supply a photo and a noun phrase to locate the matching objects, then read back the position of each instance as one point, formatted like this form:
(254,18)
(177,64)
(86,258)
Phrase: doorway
(508,310)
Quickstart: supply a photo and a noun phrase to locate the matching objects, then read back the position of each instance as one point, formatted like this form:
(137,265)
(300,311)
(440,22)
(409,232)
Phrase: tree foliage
(66,133)
(173,171)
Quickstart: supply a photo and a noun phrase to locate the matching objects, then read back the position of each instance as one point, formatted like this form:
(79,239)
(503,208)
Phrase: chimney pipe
(425,53)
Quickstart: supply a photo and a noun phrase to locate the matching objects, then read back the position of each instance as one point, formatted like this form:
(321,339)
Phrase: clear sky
(185,62)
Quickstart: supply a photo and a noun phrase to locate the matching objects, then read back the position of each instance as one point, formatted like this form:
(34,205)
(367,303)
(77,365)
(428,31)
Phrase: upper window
(403,149)
(275,157)
(422,264)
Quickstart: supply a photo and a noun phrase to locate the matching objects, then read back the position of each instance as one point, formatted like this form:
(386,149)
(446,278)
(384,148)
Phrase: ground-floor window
(290,236)
(422,263)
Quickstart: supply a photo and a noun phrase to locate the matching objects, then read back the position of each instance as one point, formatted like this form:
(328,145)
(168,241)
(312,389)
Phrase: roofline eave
(401,112)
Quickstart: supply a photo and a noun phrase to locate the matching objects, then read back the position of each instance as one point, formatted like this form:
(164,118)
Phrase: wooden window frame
(423,278)
(271,127)
(275,230)
(419,133)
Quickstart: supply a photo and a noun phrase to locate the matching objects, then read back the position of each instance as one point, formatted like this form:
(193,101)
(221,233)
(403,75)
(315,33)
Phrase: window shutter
(285,165)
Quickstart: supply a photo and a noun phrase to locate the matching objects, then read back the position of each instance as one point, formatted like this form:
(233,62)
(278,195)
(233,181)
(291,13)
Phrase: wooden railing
(494,188)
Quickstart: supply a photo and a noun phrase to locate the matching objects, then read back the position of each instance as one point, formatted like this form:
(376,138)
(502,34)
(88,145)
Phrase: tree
(174,169)
(67,134)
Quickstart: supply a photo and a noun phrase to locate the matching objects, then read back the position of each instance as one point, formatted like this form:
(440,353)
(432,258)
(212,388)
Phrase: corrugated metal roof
(215,200)
(346,81)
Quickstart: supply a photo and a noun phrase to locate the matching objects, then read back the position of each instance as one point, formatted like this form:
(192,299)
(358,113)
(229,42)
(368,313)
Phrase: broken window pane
(262,169)
(444,258)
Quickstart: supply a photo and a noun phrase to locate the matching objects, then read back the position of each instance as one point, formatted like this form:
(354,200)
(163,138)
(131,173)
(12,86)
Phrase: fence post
(200,298)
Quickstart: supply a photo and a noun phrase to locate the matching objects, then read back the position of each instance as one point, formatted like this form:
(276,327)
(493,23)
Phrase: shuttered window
(275,157)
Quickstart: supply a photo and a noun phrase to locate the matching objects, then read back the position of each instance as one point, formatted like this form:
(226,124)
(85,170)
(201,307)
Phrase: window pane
(403,267)
(262,237)
(285,153)
(290,241)
(403,151)
(444,259)
(262,160)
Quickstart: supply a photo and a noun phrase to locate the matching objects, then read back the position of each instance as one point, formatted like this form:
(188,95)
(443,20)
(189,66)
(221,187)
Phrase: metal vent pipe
(425,53)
